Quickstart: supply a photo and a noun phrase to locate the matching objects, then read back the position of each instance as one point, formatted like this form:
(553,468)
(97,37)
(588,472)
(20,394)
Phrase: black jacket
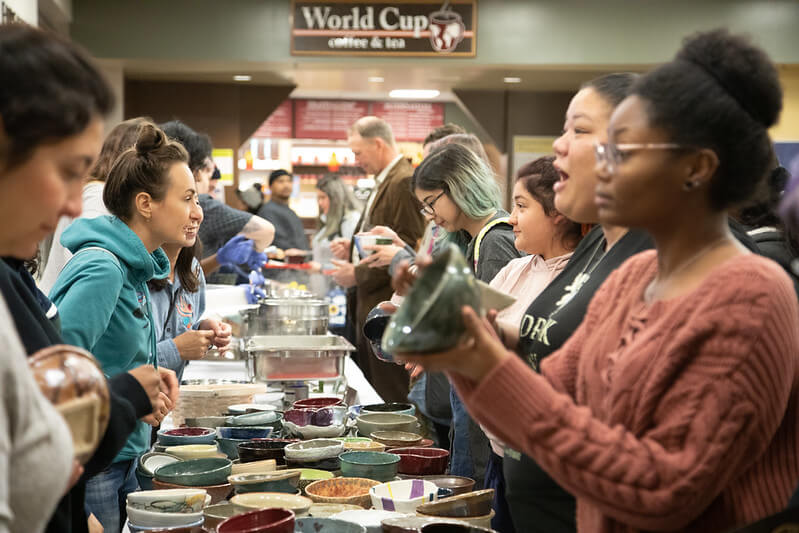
(129,401)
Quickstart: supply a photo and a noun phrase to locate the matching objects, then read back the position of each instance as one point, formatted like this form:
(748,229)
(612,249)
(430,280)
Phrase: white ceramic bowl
(193,451)
(152,460)
(369,423)
(170,500)
(403,496)
(314,432)
(265,500)
(314,450)
(254,467)
(142,518)
(370,519)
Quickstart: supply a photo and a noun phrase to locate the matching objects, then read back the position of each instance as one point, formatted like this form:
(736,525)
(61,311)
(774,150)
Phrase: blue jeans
(107,493)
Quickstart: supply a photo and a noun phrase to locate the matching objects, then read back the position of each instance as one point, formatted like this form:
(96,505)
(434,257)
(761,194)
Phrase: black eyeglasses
(428,207)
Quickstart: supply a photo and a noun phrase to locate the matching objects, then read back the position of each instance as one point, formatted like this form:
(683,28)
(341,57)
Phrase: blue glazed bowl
(278,481)
(244,432)
(196,472)
(380,466)
(391,407)
(230,447)
(180,436)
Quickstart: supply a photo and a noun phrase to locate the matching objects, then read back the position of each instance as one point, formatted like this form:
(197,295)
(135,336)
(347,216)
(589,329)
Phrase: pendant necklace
(580,279)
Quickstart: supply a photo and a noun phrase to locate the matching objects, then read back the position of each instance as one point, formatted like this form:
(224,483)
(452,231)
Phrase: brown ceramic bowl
(396,439)
(217,492)
(349,490)
(73,381)
(422,461)
(259,449)
(469,505)
(263,521)
(413,524)
(458,484)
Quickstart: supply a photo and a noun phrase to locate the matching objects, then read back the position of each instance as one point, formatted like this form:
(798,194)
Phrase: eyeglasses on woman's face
(428,208)
(612,155)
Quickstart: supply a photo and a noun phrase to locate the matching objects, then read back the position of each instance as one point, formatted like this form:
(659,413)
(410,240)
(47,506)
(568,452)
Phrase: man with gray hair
(391,204)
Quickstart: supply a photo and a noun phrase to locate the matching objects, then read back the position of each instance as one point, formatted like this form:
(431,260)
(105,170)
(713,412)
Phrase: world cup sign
(385,27)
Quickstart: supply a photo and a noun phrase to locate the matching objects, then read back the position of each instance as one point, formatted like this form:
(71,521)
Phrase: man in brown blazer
(391,204)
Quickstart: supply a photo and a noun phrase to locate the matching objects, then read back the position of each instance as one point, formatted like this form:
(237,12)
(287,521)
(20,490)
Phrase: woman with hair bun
(675,404)
(102,291)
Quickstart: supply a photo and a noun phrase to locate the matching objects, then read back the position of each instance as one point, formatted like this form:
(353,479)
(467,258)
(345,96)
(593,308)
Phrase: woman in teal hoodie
(102,292)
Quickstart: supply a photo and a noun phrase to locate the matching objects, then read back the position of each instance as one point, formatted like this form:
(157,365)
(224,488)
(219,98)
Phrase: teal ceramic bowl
(230,447)
(278,481)
(380,466)
(196,472)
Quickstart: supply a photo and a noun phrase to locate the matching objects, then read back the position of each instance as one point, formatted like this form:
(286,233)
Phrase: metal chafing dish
(296,357)
(286,316)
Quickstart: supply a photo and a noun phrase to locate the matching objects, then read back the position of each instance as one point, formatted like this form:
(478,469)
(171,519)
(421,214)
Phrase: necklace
(580,279)
(649,292)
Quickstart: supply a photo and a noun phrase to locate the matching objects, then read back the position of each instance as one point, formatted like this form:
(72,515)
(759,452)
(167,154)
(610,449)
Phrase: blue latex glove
(252,293)
(256,260)
(256,278)
(236,251)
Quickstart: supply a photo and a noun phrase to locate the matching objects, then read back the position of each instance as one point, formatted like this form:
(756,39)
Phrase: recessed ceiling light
(242,77)
(512,79)
(376,79)
(414,93)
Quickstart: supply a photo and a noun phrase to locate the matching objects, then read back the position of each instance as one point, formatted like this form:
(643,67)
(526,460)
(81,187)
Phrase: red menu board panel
(411,121)
(278,125)
(326,119)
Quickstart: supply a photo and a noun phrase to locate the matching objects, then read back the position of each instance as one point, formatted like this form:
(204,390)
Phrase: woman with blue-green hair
(459,192)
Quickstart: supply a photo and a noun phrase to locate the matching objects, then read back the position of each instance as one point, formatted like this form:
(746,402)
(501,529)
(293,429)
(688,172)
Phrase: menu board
(326,119)
(278,125)
(410,121)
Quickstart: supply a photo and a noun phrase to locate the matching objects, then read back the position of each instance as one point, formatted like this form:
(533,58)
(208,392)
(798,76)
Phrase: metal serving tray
(296,357)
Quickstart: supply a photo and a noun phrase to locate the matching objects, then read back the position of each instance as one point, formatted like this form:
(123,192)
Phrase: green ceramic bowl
(429,319)
(380,466)
(278,481)
(195,472)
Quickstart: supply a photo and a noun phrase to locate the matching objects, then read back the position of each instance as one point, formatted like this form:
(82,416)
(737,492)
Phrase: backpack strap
(479,240)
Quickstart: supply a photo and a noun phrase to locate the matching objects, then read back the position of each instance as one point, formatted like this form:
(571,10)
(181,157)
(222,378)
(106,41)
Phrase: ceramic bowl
(316,403)
(363,444)
(324,510)
(458,484)
(331,464)
(73,381)
(218,513)
(195,472)
(313,450)
(374,326)
(369,423)
(150,461)
(257,450)
(425,321)
(143,518)
(399,439)
(278,481)
(193,451)
(314,432)
(260,521)
(217,493)
(145,480)
(264,500)
(244,432)
(482,523)
(422,461)
(413,524)
(309,475)
(445,493)
(244,408)
(449,527)
(346,490)
(260,418)
(425,443)
(230,447)
(380,466)
(402,496)
(206,421)
(193,435)
(196,527)
(391,407)
(323,416)
(370,519)
(471,504)
(253,467)
(326,525)
(169,501)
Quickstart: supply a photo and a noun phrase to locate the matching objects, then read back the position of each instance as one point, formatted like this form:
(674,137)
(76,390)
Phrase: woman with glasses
(674,404)
(458,191)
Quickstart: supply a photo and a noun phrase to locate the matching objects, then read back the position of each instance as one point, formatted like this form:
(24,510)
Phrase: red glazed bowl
(264,521)
(316,403)
(422,461)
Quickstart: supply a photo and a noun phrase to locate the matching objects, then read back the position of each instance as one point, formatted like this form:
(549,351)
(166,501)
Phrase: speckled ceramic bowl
(342,490)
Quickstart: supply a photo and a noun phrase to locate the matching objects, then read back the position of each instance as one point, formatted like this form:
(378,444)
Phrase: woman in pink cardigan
(674,406)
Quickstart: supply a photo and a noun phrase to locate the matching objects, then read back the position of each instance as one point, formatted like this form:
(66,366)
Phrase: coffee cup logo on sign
(446,29)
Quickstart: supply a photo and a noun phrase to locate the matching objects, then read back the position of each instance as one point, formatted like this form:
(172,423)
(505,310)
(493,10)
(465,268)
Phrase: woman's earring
(690,185)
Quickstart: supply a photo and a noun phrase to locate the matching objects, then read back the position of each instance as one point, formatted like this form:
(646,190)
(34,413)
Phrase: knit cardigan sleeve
(706,431)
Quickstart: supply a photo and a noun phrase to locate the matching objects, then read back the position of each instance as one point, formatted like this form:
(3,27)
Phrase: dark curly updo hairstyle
(723,93)
(49,91)
(198,145)
(538,178)
(142,168)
